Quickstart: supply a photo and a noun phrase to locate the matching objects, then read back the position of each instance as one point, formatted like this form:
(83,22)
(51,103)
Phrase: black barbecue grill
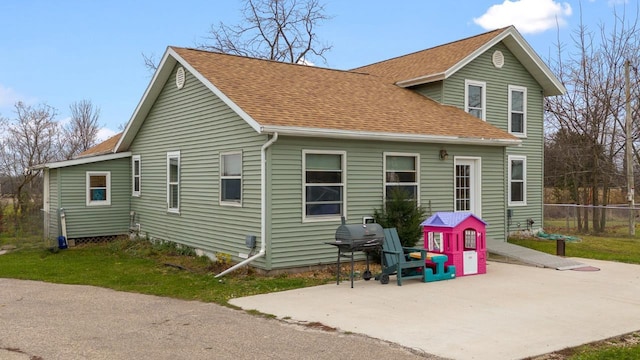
(357,238)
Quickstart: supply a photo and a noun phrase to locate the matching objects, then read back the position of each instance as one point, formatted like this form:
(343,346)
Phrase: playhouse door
(467,185)
(470,262)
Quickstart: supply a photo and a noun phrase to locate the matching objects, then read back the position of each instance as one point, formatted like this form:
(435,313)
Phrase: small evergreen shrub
(404,214)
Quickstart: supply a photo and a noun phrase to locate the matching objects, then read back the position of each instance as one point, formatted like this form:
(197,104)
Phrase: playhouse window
(401,172)
(324,184)
(435,242)
(98,188)
(470,239)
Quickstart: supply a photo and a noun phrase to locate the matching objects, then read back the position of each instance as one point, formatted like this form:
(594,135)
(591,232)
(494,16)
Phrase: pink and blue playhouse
(461,236)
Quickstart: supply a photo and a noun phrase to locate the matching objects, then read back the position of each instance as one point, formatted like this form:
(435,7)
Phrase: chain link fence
(25,228)
(588,218)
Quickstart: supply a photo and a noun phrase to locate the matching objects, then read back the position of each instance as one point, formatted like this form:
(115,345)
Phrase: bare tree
(590,117)
(281,30)
(150,62)
(30,139)
(82,130)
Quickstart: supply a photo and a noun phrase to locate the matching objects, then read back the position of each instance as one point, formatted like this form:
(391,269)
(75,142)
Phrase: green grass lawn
(625,347)
(622,249)
(135,266)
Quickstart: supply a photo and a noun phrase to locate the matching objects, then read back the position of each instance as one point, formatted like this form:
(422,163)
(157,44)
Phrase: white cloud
(528,16)
(8,96)
(617,2)
(104,134)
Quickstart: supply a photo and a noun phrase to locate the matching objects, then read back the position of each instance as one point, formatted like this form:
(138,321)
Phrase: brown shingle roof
(102,148)
(289,95)
(431,61)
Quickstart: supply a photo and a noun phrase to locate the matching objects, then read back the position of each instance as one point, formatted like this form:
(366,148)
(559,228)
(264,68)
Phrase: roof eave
(144,105)
(81,161)
(421,80)
(385,136)
(155,87)
(551,85)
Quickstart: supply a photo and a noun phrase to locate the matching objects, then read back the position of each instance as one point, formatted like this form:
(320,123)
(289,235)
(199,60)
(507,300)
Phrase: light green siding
(497,84)
(200,126)
(68,187)
(298,243)
(432,90)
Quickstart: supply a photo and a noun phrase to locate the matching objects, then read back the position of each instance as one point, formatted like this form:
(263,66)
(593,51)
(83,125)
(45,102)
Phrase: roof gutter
(263,208)
(384,136)
(422,80)
(81,161)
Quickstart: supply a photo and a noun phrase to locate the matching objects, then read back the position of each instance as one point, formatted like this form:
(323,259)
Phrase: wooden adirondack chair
(396,260)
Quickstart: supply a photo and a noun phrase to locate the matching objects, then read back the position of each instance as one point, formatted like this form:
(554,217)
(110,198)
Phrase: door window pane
(463,188)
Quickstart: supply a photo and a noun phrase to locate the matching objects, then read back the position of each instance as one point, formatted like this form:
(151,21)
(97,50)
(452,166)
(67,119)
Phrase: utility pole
(629,151)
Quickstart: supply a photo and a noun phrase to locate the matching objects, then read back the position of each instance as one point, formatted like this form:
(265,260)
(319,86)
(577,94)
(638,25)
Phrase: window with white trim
(135,175)
(324,184)
(401,172)
(475,98)
(173,181)
(98,188)
(518,110)
(231,178)
(517,180)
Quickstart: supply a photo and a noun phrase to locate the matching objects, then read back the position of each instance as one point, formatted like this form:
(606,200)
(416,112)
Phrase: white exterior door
(467,188)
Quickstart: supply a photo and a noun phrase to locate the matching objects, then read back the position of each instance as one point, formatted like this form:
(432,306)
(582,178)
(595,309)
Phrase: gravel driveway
(43,321)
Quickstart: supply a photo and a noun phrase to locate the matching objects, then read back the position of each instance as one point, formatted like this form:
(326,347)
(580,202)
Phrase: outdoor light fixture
(443,154)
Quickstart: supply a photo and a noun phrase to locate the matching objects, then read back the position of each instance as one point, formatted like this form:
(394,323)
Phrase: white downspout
(263,209)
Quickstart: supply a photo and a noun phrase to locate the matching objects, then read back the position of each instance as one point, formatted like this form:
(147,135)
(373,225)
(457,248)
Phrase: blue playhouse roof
(449,219)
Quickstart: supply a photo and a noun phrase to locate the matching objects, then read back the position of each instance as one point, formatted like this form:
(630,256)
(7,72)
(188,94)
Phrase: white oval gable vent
(498,59)
(180,78)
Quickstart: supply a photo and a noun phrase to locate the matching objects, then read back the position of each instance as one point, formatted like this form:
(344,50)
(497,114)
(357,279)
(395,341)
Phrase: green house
(222,147)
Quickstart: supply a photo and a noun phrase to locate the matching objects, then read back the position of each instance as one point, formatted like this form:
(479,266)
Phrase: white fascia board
(81,161)
(254,124)
(523,52)
(384,136)
(553,84)
(148,98)
(169,60)
(421,80)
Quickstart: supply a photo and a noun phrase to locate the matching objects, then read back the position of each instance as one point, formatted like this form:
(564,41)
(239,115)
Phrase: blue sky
(60,52)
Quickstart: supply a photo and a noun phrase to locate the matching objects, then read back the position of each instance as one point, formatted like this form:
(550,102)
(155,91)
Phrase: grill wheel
(367,275)
(384,279)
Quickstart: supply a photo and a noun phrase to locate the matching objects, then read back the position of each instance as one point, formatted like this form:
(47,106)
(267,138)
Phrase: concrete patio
(512,312)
